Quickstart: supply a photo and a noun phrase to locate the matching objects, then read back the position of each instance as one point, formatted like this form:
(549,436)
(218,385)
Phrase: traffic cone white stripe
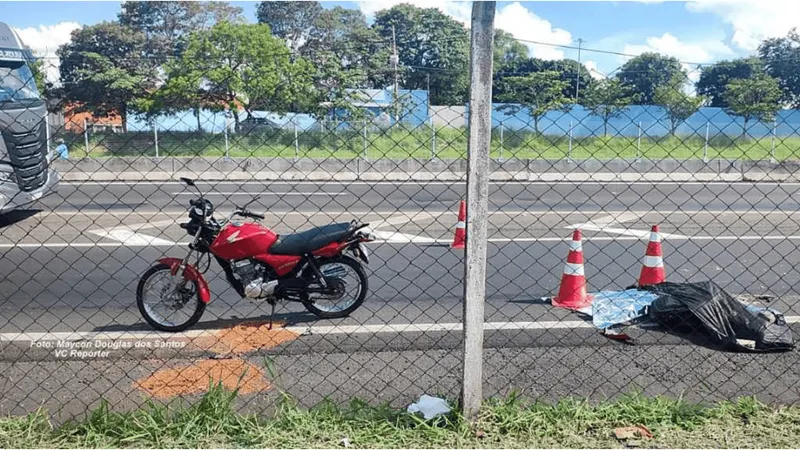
(574,269)
(461,225)
(653,261)
(655,237)
(575,246)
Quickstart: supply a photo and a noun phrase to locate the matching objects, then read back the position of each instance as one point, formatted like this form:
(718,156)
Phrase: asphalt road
(73,264)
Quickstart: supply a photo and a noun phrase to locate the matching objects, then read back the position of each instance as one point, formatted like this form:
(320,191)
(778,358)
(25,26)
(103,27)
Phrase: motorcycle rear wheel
(185,298)
(354,281)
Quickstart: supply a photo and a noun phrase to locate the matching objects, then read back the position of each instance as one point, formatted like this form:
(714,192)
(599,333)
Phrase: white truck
(25,174)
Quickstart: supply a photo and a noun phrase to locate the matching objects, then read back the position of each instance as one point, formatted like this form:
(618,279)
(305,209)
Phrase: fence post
(705,146)
(480,128)
(155,134)
(774,135)
(569,146)
(502,142)
(639,141)
(227,145)
(365,139)
(433,139)
(296,144)
(86,136)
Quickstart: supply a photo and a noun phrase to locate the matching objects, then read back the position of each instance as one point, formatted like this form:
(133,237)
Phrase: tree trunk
(197,116)
(744,128)
(236,126)
(536,124)
(605,127)
(123,115)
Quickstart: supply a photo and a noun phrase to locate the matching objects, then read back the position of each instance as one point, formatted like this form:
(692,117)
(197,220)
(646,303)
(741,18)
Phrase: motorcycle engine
(248,272)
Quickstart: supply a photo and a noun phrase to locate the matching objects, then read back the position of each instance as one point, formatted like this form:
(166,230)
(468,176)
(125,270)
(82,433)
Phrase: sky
(696,32)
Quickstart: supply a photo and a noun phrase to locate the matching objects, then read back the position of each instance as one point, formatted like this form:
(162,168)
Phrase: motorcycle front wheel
(165,304)
(351,286)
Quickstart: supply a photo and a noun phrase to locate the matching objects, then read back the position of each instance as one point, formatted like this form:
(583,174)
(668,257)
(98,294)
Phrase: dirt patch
(194,379)
(245,337)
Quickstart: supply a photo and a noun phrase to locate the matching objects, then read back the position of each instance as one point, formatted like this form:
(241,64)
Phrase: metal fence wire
(289,144)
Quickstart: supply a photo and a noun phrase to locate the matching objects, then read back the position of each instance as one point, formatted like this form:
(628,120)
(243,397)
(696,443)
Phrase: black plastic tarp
(704,305)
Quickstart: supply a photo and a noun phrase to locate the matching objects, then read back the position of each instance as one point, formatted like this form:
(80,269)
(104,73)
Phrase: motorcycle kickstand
(271,314)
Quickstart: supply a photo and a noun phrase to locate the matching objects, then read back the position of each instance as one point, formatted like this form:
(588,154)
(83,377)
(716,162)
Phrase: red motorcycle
(308,267)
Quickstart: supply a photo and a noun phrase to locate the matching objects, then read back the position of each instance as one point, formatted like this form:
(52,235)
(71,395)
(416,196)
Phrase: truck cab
(25,174)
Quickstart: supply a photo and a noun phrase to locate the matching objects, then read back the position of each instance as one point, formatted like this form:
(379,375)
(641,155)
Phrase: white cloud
(45,40)
(525,25)
(697,52)
(513,18)
(752,20)
(591,66)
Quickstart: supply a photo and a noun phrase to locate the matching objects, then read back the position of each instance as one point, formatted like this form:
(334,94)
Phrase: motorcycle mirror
(248,203)
(187,181)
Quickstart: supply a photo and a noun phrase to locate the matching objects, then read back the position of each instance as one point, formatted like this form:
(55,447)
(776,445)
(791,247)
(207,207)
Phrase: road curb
(308,169)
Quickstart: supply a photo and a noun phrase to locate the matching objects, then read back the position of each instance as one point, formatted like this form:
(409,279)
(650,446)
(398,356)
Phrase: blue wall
(414,114)
(653,119)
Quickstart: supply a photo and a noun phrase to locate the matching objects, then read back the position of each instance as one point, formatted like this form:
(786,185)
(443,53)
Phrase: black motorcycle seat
(307,241)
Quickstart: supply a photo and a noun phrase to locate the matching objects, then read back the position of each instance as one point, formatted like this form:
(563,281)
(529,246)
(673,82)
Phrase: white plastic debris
(430,407)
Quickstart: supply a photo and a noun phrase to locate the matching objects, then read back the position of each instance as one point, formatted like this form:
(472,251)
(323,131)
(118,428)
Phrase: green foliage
(168,23)
(106,68)
(781,57)
(677,104)
(507,49)
(291,21)
(646,72)
(231,65)
(715,78)
(569,71)
(753,98)
(607,99)
(433,49)
(538,93)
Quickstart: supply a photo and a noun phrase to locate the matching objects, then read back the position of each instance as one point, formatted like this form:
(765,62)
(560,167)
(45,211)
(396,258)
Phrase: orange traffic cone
(653,268)
(572,293)
(460,239)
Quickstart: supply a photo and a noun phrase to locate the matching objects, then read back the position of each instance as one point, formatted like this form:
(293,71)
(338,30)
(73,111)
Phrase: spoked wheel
(348,281)
(165,303)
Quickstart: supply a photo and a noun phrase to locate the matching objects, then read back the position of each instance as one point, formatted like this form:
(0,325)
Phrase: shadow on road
(287,319)
(12,217)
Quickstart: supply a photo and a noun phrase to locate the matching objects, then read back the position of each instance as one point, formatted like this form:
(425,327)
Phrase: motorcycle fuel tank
(246,240)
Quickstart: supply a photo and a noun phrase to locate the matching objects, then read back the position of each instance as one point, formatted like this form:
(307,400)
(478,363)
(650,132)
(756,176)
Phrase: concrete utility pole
(480,132)
(578,73)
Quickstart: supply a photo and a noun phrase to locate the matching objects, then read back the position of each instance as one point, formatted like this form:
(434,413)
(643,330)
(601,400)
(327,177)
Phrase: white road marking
(307,330)
(392,237)
(639,234)
(435,183)
(131,238)
(259,194)
(405,240)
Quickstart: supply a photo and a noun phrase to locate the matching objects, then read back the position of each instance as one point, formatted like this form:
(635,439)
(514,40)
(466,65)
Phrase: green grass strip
(509,422)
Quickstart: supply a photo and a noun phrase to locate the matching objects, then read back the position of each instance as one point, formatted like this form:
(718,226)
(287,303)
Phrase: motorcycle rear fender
(191,273)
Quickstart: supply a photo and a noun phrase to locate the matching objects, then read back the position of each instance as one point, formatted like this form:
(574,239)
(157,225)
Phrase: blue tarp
(613,308)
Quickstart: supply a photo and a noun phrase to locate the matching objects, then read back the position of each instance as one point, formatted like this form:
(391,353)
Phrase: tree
(538,93)
(753,98)
(607,99)
(232,65)
(167,23)
(569,71)
(289,20)
(433,49)
(105,69)
(781,57)
(715,78)
(507,49)
(677,104)
(644,73)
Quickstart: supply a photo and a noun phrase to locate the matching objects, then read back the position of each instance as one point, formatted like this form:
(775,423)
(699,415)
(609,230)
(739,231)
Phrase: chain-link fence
(93,204)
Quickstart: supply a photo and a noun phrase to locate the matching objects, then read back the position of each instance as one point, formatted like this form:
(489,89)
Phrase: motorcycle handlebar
(252,215)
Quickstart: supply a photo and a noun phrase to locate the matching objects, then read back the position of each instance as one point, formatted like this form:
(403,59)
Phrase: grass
(509,422)
(418,143)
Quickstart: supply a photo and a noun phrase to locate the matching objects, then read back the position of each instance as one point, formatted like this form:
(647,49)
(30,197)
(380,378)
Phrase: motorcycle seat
(299,244)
